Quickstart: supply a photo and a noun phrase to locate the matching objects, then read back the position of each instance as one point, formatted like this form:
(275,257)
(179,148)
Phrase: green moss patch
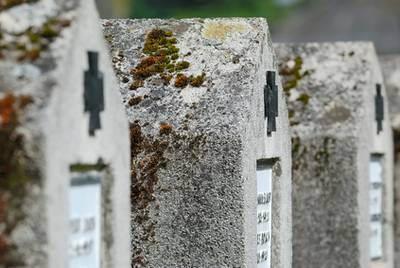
(291,71)
(161,58)
(197,81)
(304,98)
(81,167)
(6,4)
(16,173)
(29,45)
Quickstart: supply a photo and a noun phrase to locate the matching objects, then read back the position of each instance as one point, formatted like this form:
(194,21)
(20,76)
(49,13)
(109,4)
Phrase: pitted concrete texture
(44,130)
(330,88)
(195,148)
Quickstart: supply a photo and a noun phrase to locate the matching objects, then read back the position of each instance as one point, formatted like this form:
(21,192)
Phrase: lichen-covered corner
(329,90)
(17,175)
(46,134)
(305,98)
(186,85)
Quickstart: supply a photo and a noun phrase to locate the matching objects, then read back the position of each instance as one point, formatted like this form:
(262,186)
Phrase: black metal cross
(379,108)
(271,102)
(94,93)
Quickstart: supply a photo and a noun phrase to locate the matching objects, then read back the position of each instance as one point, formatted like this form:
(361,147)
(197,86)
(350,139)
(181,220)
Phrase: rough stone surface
(195,148)
(44,130)
(330,89)
(391,72)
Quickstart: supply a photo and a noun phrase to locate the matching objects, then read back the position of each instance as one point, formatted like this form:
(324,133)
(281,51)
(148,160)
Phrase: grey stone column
(194,93)
(47,217)
(331,89)
(391,72)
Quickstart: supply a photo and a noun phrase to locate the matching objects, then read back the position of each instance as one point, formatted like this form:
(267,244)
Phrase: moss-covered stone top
(32,34)
(325,84)
(161,58)
(173,65)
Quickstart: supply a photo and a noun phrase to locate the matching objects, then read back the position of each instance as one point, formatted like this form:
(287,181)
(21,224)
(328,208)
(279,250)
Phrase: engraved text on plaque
(375,209)
(85,221)
(264,209)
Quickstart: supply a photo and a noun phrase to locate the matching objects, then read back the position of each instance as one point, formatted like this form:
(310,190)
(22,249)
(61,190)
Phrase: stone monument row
(169,143)
(211,164)
(342,155)
(64,141)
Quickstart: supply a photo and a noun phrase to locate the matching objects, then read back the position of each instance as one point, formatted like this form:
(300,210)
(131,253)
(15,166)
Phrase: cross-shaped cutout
(271,102)
(94,93)
(379,108)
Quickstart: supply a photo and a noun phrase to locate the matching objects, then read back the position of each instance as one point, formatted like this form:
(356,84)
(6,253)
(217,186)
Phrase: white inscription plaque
(264,209)
(375,207)
(85,221)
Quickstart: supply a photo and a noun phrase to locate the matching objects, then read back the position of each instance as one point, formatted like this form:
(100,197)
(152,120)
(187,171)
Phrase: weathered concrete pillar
(202,158)
(391,72)
(342,168)
(64,141)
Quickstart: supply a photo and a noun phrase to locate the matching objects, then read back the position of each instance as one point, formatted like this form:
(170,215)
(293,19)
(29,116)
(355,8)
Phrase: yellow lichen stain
(220,30)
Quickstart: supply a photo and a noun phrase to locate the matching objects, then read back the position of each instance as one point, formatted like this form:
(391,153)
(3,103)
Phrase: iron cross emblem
(94,93)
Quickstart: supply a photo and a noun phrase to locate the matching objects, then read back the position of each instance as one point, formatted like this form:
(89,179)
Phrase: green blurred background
(289,20)
(271,9)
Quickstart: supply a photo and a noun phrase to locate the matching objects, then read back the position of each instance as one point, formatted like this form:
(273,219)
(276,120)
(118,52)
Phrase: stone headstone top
(308,68)
(46,136)
(205,63)
(334,91)
(194,93)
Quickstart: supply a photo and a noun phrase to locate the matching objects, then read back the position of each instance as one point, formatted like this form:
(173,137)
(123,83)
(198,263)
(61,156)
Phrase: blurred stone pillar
(113,8)
(391,72)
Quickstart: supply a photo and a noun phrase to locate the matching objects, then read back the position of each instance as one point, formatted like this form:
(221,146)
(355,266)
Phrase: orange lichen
(148,67)
(14,171)
(161,59)
(135,100)
(7,109)
(30,55)
(165,129)
(28,45)
(181,81)
(11,146)
(136,84)
(197,81)
(166,78)
(147,158)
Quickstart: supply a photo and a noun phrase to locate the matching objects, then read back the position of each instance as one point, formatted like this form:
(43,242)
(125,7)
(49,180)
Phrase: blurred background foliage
(289,20)
(272,9)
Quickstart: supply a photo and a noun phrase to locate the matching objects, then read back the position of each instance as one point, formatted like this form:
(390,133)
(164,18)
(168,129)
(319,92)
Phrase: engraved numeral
(264,198)
(262,256)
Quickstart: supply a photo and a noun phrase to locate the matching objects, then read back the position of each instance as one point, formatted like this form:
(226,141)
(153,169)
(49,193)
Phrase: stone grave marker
(342,155)
(211,165)
(391,72)
(64,140)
